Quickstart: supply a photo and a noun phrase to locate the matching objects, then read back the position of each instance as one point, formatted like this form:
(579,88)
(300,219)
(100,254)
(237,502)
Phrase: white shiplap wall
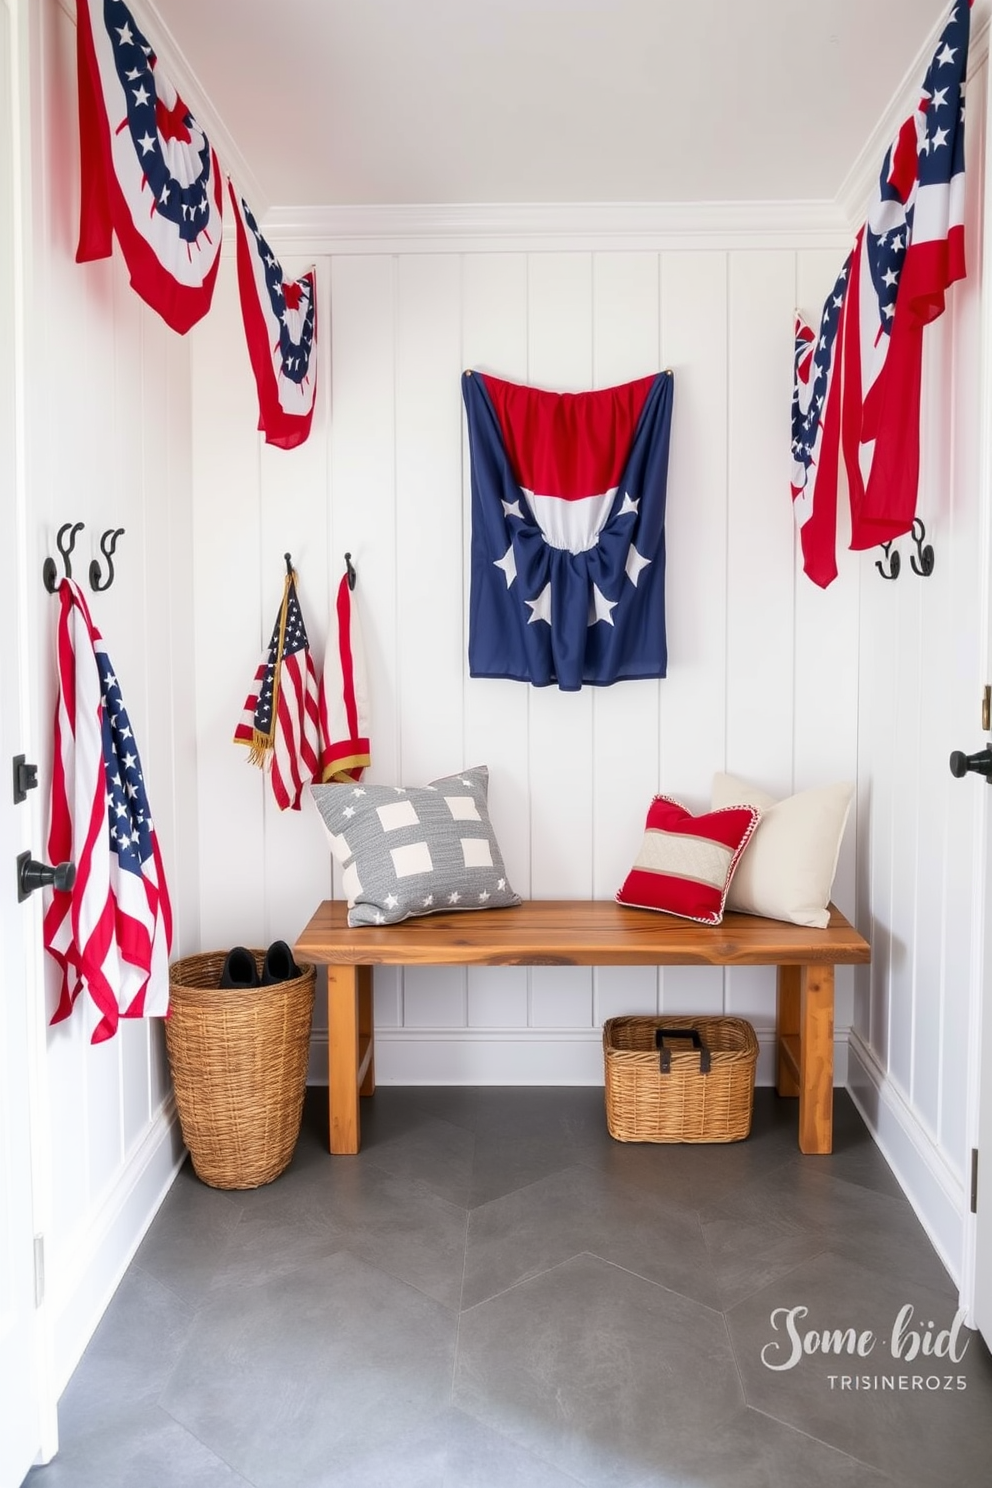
(107,413)
(923,654)
(763,671)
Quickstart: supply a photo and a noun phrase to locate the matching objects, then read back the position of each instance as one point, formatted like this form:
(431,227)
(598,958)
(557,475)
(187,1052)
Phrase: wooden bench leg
(816,1059)
(343,1057)
(366,1032)
(805,1050)
(787,1031)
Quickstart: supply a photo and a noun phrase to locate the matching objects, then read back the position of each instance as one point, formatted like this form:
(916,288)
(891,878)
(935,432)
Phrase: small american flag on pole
(111,934)
(280,718)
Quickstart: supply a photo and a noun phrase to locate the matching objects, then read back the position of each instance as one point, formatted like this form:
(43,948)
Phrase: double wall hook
(925,566)
(65,545)
(108,544)
(892,559)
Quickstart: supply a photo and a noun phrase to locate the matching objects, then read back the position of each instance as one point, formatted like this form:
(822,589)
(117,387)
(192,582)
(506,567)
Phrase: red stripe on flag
(570,445)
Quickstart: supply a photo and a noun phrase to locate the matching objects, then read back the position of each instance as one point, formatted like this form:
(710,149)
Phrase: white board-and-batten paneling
(922,666)
(107,443)
(386,476)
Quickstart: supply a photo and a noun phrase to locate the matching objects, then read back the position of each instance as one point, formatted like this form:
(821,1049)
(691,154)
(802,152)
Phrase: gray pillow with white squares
(415,850)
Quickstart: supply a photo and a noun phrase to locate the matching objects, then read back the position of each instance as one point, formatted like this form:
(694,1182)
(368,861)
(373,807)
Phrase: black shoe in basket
(239,969)
(279,965)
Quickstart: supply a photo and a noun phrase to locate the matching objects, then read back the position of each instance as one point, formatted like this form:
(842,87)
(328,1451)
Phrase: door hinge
(39,1270)
(974,1180)
(987,709)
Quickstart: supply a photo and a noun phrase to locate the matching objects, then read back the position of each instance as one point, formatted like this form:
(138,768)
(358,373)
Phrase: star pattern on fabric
(629,507)
(512,509)
(541,606)
(636,562)
(508,564)
(601,608)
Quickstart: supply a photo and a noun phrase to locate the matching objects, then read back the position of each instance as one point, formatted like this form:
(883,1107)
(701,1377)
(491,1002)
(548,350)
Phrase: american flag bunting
(280,321)
(907,253)
(149,173)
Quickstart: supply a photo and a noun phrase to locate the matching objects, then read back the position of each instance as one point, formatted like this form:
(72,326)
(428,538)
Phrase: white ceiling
(318,103)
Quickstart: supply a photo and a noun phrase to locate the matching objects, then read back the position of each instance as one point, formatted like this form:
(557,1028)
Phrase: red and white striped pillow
(686,862)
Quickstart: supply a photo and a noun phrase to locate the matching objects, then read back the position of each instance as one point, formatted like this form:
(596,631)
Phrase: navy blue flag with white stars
(568,531)
(280,320)
(149,174)
(111,934)
(280,721)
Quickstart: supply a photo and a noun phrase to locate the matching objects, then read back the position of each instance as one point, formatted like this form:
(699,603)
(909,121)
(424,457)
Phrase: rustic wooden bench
(579,932)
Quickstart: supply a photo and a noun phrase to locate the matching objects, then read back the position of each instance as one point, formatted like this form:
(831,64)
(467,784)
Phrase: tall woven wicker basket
(239,1067)
(661,1088)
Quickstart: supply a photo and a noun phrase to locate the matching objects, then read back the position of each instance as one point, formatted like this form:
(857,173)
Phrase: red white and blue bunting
(150,178)
(280,320)
(149,173)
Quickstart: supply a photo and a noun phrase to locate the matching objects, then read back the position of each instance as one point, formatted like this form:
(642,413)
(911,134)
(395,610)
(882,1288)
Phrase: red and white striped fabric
(280,718)
(344,698)
(111,934)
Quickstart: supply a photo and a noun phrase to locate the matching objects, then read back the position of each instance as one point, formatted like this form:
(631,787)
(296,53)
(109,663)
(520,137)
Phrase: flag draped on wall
(568,531)
(149,173)
(908,253)
(111,934)
(816,436)
(280,719)
(280,321)
(866,374)
(344,706)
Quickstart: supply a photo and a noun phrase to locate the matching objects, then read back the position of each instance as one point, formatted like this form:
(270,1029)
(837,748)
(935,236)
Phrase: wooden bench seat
(579,932)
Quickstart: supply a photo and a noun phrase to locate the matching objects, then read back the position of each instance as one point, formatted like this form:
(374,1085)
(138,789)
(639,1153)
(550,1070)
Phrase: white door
(25,1411)
(982,1303)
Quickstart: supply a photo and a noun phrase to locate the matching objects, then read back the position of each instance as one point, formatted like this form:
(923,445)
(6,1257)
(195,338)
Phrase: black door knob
(33,875)
(981,763)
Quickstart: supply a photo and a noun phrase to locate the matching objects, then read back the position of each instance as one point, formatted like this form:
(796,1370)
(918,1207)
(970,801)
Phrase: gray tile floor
(493,1294)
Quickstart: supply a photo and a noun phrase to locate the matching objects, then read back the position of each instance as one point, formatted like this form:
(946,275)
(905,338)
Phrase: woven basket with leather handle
(679,1079)
(239,1066)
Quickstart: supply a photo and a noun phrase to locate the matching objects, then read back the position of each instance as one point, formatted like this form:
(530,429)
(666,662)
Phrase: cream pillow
(787,870)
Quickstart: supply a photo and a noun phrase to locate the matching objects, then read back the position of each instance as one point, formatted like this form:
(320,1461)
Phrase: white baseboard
(527,1056)
(82,1280)
(935,1191)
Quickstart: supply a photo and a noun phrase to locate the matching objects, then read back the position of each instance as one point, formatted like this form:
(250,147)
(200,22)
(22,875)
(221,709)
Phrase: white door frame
(25,970)
(976,1267)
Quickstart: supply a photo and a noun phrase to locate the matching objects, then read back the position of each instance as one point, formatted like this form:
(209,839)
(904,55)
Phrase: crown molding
(487,227)
(854,196)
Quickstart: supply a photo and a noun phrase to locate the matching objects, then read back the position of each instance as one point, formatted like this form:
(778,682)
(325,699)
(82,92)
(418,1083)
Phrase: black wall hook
(893,560)
(289,563)
(49,572)
(925,566)
(108,544)
(352,575)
